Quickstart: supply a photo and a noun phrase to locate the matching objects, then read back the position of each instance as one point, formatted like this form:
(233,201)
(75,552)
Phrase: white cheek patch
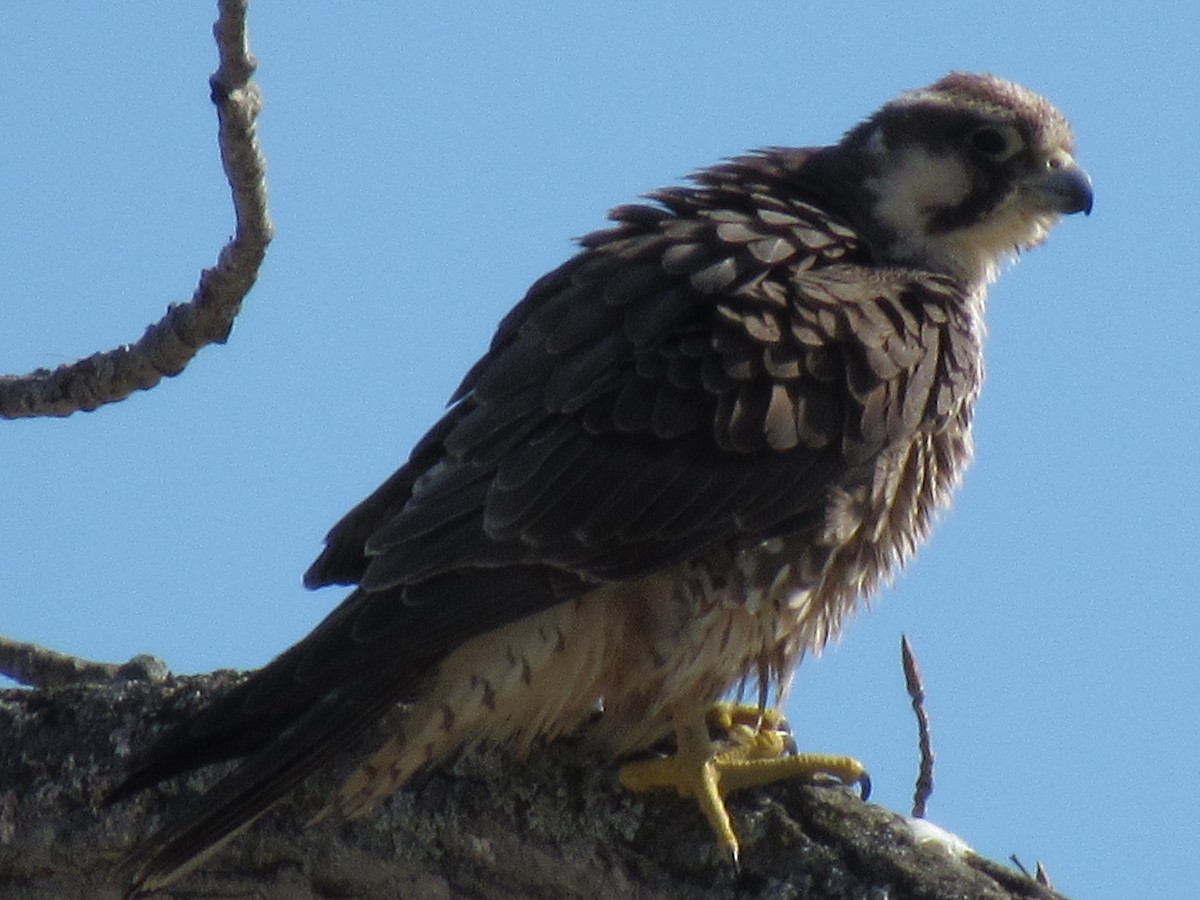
(913,186)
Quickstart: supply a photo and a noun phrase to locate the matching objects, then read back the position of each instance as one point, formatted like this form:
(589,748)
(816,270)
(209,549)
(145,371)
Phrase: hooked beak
(1062,186)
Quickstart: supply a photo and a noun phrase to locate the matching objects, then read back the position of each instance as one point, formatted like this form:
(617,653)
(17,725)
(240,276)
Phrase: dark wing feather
(698,376)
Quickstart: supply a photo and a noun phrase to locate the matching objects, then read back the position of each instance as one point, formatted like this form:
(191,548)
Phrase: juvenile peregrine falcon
(688,453)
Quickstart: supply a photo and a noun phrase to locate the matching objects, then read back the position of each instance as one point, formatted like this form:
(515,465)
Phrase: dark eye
(996,142)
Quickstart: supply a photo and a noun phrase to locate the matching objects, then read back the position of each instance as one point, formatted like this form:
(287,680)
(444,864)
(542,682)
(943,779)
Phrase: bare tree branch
(167,346)
(38,667)
(484,826)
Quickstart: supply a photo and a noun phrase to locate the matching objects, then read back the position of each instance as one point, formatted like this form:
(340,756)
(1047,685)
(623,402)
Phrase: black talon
(864,786)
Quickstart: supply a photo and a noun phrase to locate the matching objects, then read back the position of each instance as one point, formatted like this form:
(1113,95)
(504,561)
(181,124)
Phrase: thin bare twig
(38,667)
(1043,877)
(1040,875)
(916,691)
(169,345)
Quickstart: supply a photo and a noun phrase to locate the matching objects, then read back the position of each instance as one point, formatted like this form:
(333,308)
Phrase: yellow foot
(753,748)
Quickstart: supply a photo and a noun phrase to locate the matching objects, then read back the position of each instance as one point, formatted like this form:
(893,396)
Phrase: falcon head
(964,173)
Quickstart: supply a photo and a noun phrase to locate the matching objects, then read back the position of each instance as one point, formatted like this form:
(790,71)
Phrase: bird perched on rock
(687,455)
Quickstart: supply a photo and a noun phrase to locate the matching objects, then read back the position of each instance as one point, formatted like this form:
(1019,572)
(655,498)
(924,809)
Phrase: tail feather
(328,727)
(223,731)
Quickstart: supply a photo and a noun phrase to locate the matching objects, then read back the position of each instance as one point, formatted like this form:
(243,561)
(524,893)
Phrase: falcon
(688,454)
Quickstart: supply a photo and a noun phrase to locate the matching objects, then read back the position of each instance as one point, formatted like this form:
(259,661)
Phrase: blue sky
(425,166)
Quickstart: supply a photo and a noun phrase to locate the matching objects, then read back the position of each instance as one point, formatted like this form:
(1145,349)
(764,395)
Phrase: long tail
(279,763)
